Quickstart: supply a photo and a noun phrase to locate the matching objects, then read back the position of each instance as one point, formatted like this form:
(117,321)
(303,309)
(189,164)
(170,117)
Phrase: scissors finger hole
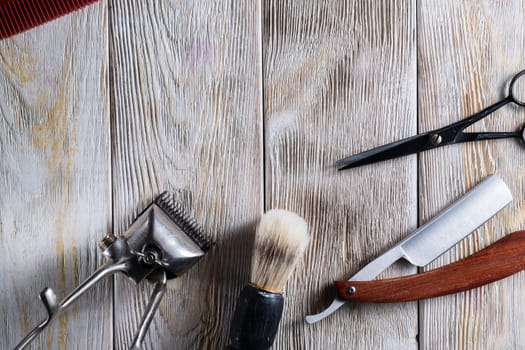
(517,88)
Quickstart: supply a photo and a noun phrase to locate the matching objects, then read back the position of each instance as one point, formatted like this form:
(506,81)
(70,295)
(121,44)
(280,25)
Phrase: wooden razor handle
(501,259)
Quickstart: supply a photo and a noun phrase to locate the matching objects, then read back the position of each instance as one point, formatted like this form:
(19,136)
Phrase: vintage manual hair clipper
(162,243)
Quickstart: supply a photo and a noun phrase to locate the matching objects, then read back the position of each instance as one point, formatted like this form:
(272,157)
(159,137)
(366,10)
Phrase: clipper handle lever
(153,305)
(49,300)
(123,261)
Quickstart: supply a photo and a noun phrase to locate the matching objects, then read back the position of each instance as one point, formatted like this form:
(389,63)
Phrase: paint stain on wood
(23,315)
(56,134)
(18,63)
(61,273)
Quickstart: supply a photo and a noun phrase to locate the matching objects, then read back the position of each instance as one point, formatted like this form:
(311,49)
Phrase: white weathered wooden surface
(187,117)
(242,107)
(468,52)
(55,195)
(322,88)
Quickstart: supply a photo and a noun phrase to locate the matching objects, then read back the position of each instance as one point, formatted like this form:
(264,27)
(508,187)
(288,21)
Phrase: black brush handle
(255,320)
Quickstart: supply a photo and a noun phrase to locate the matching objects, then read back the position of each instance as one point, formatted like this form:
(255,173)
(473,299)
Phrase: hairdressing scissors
(447,135)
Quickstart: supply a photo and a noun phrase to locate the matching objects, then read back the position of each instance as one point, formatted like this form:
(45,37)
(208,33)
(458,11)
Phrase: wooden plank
(54,171)
(339,78)
(187,117)
(468,51)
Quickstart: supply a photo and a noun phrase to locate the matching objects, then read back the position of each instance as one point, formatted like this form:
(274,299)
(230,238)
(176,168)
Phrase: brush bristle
(280,241)
(172,207)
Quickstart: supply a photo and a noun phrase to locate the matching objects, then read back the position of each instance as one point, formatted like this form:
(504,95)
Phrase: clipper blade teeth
(172,207)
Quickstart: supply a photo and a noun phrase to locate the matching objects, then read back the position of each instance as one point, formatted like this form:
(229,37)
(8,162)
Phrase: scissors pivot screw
(436,139)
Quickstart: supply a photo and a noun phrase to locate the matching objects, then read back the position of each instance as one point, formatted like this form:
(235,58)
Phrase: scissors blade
(410,145)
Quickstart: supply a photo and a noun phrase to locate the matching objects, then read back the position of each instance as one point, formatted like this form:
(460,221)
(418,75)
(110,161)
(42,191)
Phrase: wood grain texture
(468,51)
(497,261)
(245,106)
(54,168)
(339,77)
(187,117)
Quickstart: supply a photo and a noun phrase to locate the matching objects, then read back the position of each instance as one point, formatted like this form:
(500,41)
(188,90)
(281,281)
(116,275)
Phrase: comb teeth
(167,202)
(18,16)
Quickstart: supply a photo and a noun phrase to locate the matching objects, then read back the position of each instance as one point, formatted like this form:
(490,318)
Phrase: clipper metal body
(162,243)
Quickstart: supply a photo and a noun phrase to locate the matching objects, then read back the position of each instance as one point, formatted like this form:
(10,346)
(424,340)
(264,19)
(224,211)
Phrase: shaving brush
(280,240)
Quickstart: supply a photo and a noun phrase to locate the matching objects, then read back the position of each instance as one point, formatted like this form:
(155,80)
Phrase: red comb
(19,15)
